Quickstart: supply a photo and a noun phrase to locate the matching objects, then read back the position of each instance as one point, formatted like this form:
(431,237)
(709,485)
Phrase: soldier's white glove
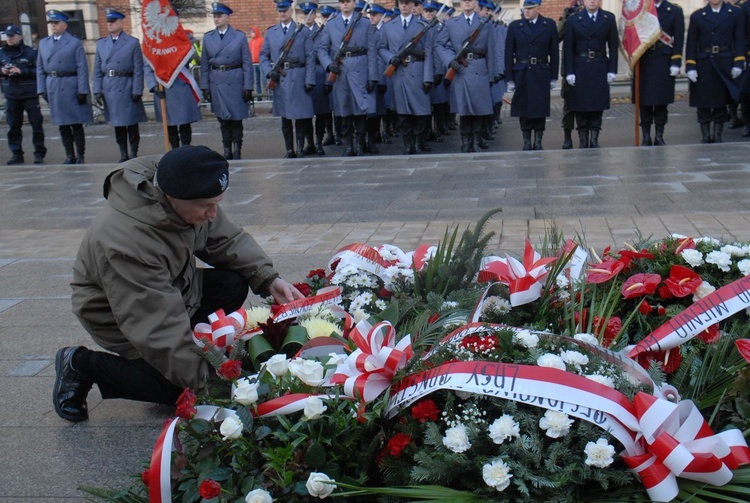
(511,86)
(571,79)
(692,75)
(552,84)
(736,72)
(610,78)
(674,71)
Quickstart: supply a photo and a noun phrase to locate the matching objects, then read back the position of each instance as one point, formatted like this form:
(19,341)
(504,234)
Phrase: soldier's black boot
(337,137)
(349,150)
(718,130)
(465,141)
(746,132)
(186,134)
(309,138)
(330,138)
(646,131)
(67,140)
(134,137)
(287,129)
(594,143)
(583,138)
(538,135)
(734,119)
(173,136)
(568,140)
(706,132)
(659,135)
(300,147)
(526,139)
(319,145)
(408,145)
(360,144)
(121,137)
(237,152)
(80,141)
(228,155)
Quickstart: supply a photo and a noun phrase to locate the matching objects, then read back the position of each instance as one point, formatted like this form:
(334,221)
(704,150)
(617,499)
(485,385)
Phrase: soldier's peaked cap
(56,15)
(220,8)
(112,14)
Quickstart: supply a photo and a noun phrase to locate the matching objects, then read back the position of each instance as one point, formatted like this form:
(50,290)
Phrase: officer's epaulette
(270,27)
(210,31)
(102,38)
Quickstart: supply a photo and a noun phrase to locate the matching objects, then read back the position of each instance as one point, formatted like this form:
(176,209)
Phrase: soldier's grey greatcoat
(439,93)
(350,95)
(63,73)
(289,97)
(118,74)
(377,100)
(656,85)
(322,103)
(498,88)
(415,69)
(532,59)
(590,52)
(182,106)
(227,70)
(470,89)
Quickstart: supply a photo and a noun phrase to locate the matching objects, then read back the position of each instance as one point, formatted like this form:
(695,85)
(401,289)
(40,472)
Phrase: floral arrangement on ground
(443,374)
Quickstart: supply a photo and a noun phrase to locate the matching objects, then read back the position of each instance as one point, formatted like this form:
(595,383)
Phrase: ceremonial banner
(639,28)
(166,45)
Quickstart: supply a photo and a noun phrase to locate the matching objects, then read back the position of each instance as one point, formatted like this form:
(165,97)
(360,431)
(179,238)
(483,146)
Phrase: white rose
(556,424)
(277,365)
(497,474)
(694,258)
(231,427)
(552,361)
(258,496)
(599,454)
(246,392)
(309,372)
(457,439)
(314,408)
(319,485)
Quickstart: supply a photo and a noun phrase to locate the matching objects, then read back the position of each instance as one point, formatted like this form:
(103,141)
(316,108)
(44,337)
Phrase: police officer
(18,70)
(227,78)
(499,88)
(308,10)
(63,80)
(412,79)
(322,102)
(355,73)
(745,88)
(590,54)
(714,59)
(568,121)
(659,66)
(377,107)
(294,77)
(439,96)
(182,99)
(118,83)
(532,59)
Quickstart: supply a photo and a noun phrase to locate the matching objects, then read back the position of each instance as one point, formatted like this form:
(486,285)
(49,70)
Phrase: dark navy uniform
(659,65)
(745,87)
(568,121)
(19,88)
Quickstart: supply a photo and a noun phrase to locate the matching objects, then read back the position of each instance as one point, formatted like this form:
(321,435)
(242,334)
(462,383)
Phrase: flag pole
(637,91)
(163,103)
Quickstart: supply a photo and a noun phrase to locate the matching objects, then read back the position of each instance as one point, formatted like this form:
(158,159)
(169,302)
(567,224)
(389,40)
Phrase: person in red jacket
(255,41)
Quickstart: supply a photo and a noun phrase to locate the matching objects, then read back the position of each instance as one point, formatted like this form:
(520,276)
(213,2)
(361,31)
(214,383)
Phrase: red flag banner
(639,27)
(166,45)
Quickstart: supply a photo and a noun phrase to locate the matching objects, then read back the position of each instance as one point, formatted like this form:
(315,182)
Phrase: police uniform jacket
(350,95)
(322,103)
(745,86)
(470,89)
(63,73)
(118,74)
(590,52)
(181,100)
(439,93)
(415,69)
(498,88)
(289,97)
(23,86)
(656,86)
(376,103)
(227,70)
(532,59)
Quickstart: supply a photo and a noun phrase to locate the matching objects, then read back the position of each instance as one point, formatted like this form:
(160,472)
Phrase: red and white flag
(639,27)
(166,45)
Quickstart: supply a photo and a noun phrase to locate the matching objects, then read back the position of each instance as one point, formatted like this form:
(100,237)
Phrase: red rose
(425,410)
(644,308)
(230,370)
(186,404)
(316,274)
(397,443)
(303,288)
(608,332)
(710,335)
(209,488)
(145,475)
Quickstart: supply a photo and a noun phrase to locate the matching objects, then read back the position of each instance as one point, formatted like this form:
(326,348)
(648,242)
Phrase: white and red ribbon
(328,296)
(223,329)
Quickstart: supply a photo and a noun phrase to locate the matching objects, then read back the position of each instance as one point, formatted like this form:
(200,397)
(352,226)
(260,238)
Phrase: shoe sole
(55,401)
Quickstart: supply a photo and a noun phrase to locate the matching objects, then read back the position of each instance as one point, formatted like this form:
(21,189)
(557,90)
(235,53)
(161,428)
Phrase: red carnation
(601,273)
(397,443)
(424,411)
(682,281)
(303,288)
(640,284)
(710,335)
(316,274)
(661,310)
(230,370)
(664,292)
(209,489)
(644,308)
(186,404)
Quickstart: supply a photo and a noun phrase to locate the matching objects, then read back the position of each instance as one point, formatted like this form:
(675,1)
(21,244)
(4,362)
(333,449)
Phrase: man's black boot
(71,387)
(594,139)
(526,139)
(659,135)
(538,135)
(706,132)
(646,131)
(568,141)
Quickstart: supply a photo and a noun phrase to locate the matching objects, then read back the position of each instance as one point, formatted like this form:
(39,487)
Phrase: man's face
(196,211)
(114,26)
(593,5)
(407,7)
(347,7)
(715,3)
(530,13)
(468,6)
(58,27)
(483,11)
(429,15)
(14,39)
(286,16)
(375,18)
(221,20)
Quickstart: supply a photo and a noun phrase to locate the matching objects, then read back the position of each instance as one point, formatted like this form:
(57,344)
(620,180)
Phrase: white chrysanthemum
(317,327)
(504,428)
(733,250)
(694,258)
(601,379)
(361,280)
(528,340)
(496,305)
(457,439)
(562,281)
(256,315)
(746,250)
(587,338)
(704,289)
(380,305)
(359,314)
(744,266)
(362,301)
(599,454)
(555,424)
(497,474)
(552,361)
(393,253)
(574,358)
(720,259)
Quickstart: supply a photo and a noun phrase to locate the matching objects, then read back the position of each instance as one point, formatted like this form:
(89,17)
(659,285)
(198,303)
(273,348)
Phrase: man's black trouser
(14,113)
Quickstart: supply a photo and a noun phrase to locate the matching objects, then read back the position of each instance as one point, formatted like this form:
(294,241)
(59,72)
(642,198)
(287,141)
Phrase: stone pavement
(301,211)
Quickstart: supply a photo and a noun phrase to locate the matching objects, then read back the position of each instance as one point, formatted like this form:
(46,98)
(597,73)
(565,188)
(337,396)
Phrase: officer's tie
(346,23)
(593,18)
(406,24)
(468,21)
(284,28)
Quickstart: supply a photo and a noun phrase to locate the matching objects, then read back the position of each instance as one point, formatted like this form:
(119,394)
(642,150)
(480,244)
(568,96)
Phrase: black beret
(192,172)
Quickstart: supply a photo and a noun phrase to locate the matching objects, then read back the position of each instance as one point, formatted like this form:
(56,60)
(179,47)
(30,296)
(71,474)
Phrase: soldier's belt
(355,51)
(533,61)
(413,57)
(591,54)
(62,74)
(224,68)
(113,73)
(474,55)
(292,64)
(715,49)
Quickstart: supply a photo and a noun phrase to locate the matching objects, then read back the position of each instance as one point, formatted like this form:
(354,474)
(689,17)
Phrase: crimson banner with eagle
(639,28)
(166,45)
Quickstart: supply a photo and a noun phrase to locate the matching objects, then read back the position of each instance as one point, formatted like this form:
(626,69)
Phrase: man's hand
(571,79)
(692,75)
(247,95)
(455,65)
(437,79)
(426,87)
(81,98)
(158,92)
(674,71)
(371,85)
(136,98)
(334,68)
(327,89)
(283,292)
(309,88)
(736,72)
(99,97)
(511,86)
(611,78)
(207,96)
(498,78)
(395,61)
(275,76)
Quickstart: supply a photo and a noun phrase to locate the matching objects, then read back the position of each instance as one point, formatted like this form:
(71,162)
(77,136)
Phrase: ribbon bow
(524,279)
(679,443)
(369,370)
(223,329)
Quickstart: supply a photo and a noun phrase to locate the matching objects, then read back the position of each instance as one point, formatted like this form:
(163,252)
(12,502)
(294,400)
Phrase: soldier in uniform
(356,73)
(322,102)
(118,83)
(439,96)
(18,71)
(308,10)
(227,78)
(377,107)
(412,80)
(182,99)
(62,79)
(745,88)
(294,76)
(499,88)
(714,59)
(590,55)
(568,121)
(532,60)
(470,90)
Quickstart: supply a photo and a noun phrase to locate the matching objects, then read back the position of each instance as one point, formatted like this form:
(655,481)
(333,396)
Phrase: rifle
(467,43)
(339,58)
(279,66)
(412,43)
